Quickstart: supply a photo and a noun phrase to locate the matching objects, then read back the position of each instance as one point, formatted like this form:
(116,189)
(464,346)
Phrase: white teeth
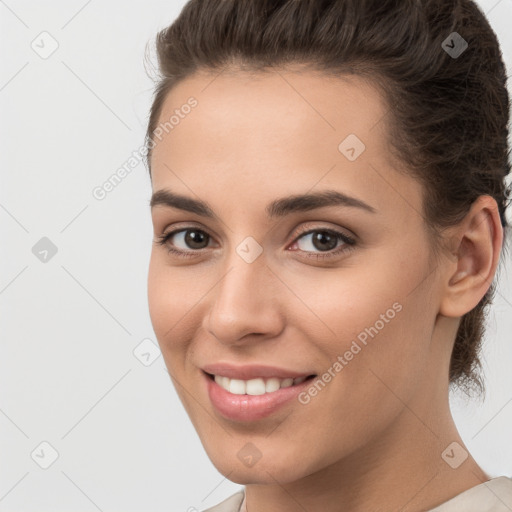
(255,386)
(237,387)
(272,384)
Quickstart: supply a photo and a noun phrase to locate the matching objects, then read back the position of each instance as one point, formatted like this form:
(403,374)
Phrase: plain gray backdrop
(89,419)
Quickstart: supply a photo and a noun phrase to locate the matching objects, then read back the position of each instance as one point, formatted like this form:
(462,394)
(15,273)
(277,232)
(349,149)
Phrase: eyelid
(349,241)
(309,227)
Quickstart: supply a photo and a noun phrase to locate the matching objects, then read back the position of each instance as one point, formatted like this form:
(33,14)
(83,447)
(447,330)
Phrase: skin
(372,439)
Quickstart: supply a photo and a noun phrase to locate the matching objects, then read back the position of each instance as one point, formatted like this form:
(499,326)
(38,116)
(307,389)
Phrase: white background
(68,375)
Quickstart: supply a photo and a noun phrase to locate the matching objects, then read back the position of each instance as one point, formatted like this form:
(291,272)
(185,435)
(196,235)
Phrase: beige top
(495,495)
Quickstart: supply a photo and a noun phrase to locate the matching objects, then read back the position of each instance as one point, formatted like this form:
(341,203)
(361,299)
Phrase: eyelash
(349,243)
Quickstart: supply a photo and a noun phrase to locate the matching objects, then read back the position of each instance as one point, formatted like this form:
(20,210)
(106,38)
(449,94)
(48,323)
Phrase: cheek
(159,293)
(379,328)
(373,366)
(171,297)
(349,304)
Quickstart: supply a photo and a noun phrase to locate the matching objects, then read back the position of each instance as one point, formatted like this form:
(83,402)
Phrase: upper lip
(252,371)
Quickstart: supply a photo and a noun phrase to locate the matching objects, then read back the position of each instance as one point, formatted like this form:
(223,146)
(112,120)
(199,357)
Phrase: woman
(329,210)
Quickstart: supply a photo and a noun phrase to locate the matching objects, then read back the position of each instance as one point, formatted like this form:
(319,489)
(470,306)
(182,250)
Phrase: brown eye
(185,241)
(195,238)
(322,243)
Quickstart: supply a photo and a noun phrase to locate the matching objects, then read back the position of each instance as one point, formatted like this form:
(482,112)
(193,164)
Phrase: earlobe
(471,272)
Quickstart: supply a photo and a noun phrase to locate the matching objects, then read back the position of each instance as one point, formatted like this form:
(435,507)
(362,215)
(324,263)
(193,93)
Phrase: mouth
(257,386)
(249,400)
(253,392)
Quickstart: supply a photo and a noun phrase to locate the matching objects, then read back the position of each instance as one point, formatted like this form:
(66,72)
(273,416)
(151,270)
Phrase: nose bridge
(244,299)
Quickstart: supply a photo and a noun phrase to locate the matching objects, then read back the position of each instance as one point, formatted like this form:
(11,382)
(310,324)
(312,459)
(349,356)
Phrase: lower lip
(250,407)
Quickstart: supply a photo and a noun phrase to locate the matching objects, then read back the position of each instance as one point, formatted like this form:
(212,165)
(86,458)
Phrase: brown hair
(449,113)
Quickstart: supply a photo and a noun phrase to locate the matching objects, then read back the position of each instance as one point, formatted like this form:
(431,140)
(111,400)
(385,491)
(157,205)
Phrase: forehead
(288,129)
(268,109)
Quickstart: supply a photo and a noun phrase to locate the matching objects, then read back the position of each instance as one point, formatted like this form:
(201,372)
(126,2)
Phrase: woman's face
(276,286)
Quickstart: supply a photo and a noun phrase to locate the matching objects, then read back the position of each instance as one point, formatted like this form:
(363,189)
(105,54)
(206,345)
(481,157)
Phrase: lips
(252,392)
(247,407)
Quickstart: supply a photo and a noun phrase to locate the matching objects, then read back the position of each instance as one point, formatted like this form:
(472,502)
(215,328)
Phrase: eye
(194,240)
(193,237)
(324,240)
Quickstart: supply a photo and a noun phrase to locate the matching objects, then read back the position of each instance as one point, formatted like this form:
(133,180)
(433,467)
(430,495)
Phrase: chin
(260,473)
(276,465)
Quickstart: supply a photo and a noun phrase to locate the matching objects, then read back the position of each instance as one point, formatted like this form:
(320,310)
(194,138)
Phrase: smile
(253,399)
(258,386)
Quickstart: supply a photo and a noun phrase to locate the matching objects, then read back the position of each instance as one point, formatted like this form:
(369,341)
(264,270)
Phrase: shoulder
(495,495)
(231,504)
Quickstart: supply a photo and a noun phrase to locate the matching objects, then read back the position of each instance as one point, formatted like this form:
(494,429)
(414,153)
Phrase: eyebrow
(277,208)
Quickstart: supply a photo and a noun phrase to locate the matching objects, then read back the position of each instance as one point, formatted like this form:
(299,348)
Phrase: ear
(477,243)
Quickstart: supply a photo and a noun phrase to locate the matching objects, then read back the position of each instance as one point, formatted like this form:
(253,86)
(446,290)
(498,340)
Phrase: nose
(246,303)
